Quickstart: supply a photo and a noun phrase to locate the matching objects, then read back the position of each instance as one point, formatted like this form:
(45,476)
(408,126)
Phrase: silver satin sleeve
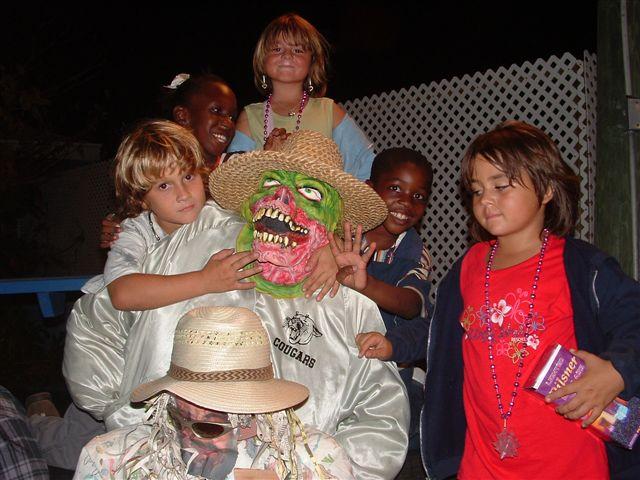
(94,352)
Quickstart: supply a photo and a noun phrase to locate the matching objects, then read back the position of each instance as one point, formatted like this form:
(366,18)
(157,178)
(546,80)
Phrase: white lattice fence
(440,120)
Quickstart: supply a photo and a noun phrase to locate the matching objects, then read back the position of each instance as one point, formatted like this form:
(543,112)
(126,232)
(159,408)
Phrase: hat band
(243,374)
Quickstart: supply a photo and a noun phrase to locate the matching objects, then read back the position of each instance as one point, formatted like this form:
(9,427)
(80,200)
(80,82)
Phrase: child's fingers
(312,283)
(367,341)
(348,241)
(249,272)
(376,353)
(240,259)
(357,244)
(222,254)
(334,289)
(591,417)
(244,285)
(326,288)
(333,245)
(563,392)
(109,223)
(361,337)
(573,410)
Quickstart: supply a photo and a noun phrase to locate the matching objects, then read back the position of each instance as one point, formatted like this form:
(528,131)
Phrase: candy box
(619,421)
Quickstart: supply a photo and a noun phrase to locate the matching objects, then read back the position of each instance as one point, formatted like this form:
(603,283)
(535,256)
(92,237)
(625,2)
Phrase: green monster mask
(288,219)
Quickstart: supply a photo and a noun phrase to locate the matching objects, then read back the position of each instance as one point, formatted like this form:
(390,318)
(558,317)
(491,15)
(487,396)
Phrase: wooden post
(617,178)
(633,27)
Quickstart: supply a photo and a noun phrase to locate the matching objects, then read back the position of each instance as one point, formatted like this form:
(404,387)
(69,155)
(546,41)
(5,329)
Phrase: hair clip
(178,80)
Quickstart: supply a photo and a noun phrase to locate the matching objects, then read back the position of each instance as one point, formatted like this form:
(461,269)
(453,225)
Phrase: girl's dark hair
(181,95)
(514,147)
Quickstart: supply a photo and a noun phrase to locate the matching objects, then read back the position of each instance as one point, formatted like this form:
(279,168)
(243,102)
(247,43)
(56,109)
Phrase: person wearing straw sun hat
(288,201)
(217,411)
(291,198)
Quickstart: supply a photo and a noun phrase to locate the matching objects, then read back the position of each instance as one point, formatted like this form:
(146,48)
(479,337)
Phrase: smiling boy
(398,273)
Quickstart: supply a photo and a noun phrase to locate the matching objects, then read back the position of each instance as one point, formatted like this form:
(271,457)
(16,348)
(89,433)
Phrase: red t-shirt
(550,445)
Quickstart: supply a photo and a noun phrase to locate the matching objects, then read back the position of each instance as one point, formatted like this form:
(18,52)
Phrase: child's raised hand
(374,345)
(323,270)
(223,272)
(275,138)
(599,385)
(352,265)
(109,231)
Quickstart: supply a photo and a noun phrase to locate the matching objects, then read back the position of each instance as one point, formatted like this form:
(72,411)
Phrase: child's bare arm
(401,301)
(222,273)
(374,345)
(599,385)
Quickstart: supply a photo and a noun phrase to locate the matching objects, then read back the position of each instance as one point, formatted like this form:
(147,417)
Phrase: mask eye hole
(270,182)
(209,430)
(310,193)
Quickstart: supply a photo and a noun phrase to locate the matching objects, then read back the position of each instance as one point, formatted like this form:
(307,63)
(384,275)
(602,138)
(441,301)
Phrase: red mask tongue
(285,238)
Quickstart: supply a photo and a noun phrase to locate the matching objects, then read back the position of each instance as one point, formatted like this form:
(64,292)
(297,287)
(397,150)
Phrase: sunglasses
(200,429)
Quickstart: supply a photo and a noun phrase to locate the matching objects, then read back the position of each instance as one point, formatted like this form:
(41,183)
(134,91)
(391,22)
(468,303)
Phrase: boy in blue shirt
(397,272)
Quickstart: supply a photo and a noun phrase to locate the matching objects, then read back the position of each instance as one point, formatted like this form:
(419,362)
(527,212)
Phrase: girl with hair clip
(203,103)
(526,285)
(290,69)
(206,105)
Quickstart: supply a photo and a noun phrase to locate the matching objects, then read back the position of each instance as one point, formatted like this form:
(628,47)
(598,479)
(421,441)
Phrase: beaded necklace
(268,108)
(153,230)
(506,443)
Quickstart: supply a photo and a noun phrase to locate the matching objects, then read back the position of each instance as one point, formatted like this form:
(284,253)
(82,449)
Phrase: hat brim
(238,178)
(230,397)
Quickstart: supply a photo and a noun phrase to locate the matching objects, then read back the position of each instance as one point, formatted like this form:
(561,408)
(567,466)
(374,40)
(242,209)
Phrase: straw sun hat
(306,152)
(221,361)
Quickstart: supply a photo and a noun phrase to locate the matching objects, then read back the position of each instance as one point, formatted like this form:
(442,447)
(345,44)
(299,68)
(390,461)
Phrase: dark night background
(85,72)
(74,73)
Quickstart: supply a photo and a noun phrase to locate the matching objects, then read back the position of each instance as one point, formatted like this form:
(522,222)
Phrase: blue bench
(50,290)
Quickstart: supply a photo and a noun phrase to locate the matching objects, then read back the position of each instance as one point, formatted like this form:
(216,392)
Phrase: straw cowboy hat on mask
(307,152)
(221,361)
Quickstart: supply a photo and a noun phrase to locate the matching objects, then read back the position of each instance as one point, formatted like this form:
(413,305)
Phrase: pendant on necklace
(506,444)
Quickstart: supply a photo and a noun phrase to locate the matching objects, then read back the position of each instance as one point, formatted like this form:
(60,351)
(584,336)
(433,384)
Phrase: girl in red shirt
(517,302)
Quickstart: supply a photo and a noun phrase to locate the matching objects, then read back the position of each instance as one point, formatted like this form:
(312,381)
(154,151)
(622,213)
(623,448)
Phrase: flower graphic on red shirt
(499,312)
(502,348)
(515,352)
(533,341)
(468,318)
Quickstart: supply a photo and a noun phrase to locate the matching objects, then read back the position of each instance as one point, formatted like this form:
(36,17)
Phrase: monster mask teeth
(266,237)
(276,214)
(259,214)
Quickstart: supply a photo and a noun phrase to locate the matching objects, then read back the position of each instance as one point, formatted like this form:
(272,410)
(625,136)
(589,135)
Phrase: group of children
(524,285)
